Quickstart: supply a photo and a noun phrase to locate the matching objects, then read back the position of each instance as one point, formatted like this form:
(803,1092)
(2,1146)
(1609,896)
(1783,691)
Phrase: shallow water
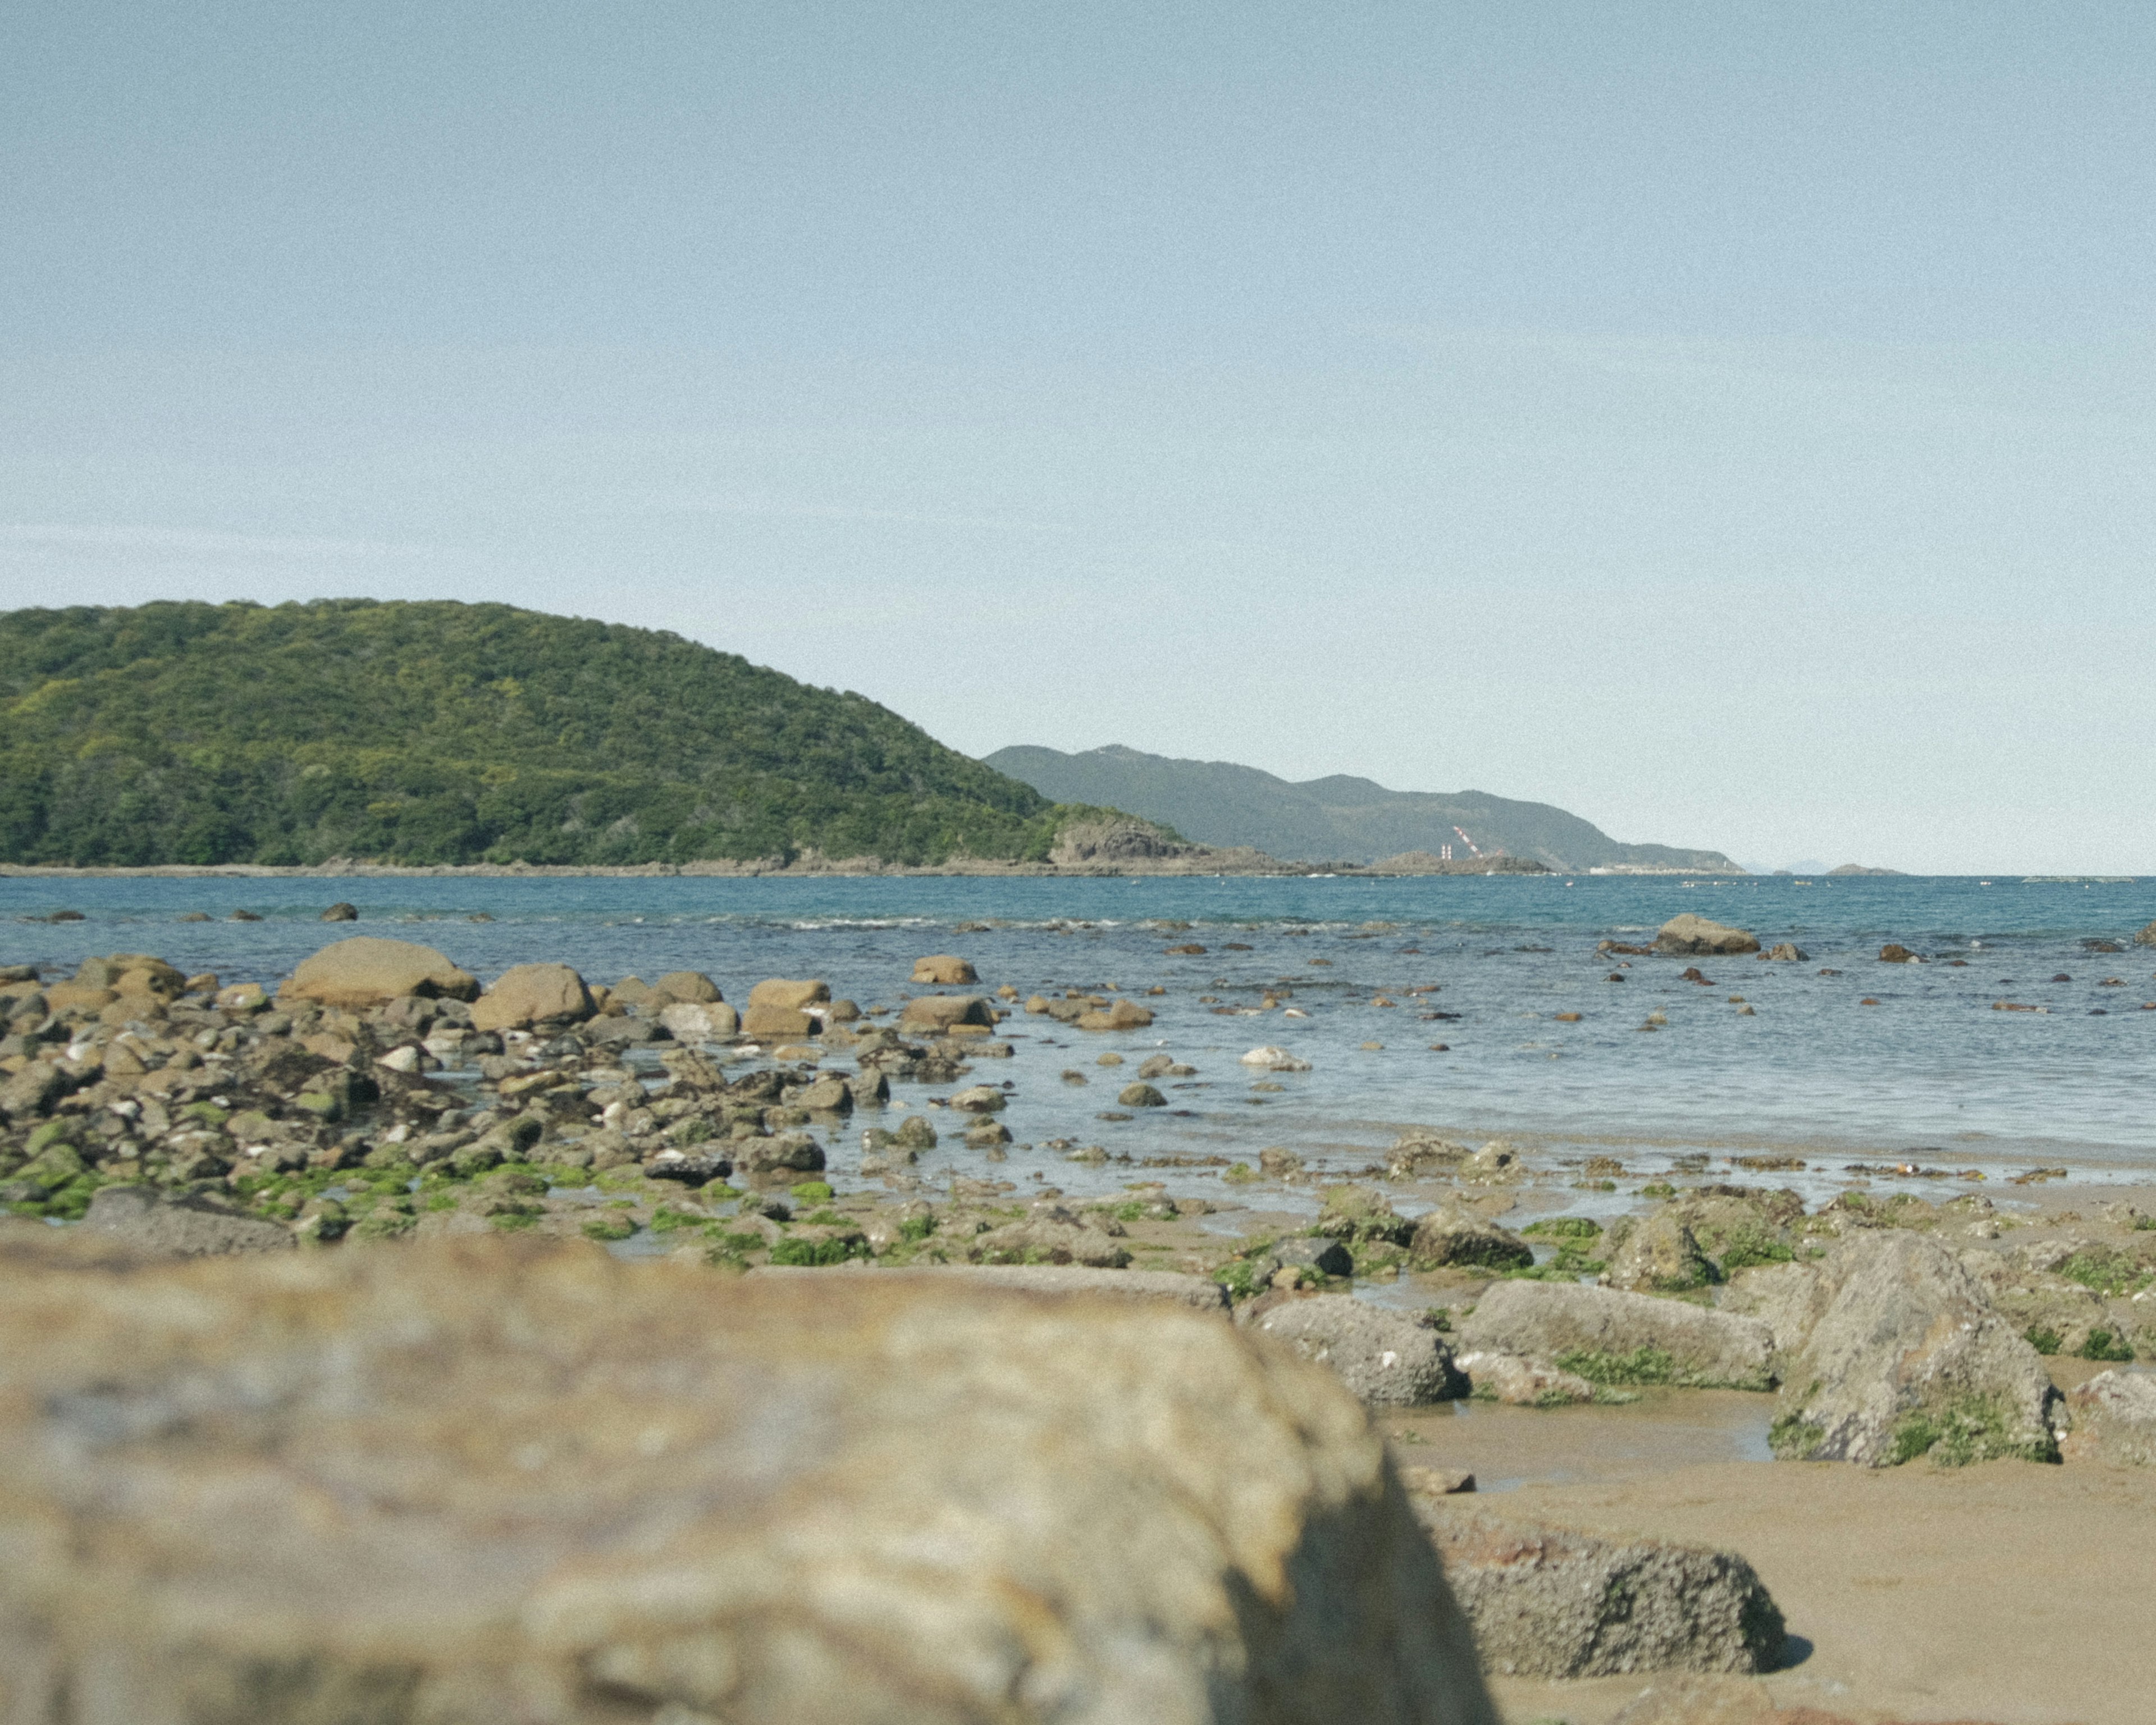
(1930,1075)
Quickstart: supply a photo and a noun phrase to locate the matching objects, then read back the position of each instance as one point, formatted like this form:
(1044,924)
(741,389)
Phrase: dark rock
(1551,1602)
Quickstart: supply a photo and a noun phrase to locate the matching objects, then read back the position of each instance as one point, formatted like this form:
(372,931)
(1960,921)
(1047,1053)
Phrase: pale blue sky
(1731,423)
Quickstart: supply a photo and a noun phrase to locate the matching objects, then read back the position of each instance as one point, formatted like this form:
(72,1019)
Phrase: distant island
(1352,820)
(437,734)
(1846,869)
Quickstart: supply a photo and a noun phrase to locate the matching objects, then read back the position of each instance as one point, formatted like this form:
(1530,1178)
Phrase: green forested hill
(441,733)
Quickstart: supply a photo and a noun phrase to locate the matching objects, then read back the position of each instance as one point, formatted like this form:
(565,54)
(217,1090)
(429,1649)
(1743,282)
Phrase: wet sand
(2010,1592)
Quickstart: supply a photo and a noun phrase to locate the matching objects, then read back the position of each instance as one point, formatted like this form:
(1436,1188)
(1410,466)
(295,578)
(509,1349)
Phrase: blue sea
(1930,1075)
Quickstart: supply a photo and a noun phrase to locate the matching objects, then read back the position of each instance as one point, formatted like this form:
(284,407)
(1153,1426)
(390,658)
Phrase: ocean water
(1930,1075)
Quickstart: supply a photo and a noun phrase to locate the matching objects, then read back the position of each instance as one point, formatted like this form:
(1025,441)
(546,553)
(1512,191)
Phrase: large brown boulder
(1690,935)
(366,970)
(466,1483)
(944,970)
(529,994)
(778,1010)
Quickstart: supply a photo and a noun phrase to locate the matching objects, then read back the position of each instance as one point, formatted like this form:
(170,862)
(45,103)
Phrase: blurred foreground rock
(465,1483)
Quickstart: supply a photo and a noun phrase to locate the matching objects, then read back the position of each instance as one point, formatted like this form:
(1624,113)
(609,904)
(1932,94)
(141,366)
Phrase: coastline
(1251,863)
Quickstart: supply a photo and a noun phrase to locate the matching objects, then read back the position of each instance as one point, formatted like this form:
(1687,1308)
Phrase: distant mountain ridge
(1339,818)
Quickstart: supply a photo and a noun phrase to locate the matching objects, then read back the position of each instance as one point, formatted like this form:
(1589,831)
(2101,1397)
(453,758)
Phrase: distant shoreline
(1165,868)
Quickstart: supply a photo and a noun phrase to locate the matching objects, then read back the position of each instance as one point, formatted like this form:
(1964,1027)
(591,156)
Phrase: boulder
(362,972)
(1305,1252)
(944,970)
(1270,1058)
(529,994)
(30,1093)
(778,1023)
(828,1094)
(1121,1015)
(1551,1602)
(792,1153)
(1894,953)
(932,1015)
(181,1225)
(695,1023)
(788,996)
(1691,935)
(979,1099)
(1452,1237)
(1904,1357)
(1520,1382)
(1611,1337)
(1049,1239)
(2114,1417)
(1362,1214)
(1385,1358)
(342,912)
(691,987)
(2147,938)
(1658,1255)
(1141,1095)
(1787,953)
(468,1482)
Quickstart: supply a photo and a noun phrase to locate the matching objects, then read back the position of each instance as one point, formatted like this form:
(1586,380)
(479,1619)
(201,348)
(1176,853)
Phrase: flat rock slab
(1195,1291)
(166,1225)
(508,1485)
(1612,1338)
(1551,1602)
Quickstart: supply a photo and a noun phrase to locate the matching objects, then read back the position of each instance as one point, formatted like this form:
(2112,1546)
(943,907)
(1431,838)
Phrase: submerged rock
(462,1482)
(1690,935)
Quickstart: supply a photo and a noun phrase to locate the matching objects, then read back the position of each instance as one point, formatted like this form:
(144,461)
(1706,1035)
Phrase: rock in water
(931,1013)
(1548,1602)
(1611,1337)
(1385,1358)
(465,1482)
(2114,1421)
(1690,935)
(1904,1357)
(944,970)
(364,972)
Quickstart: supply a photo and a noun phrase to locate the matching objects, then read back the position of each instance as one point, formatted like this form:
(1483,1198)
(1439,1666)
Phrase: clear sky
(1732,423)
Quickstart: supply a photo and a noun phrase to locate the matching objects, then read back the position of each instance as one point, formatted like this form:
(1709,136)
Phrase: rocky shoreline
(380,1107)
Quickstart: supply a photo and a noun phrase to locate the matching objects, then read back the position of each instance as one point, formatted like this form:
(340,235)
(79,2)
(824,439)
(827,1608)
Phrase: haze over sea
(1931,1074)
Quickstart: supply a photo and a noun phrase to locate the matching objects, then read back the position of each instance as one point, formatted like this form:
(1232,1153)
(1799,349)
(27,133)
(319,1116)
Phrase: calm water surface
(1931,1071)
